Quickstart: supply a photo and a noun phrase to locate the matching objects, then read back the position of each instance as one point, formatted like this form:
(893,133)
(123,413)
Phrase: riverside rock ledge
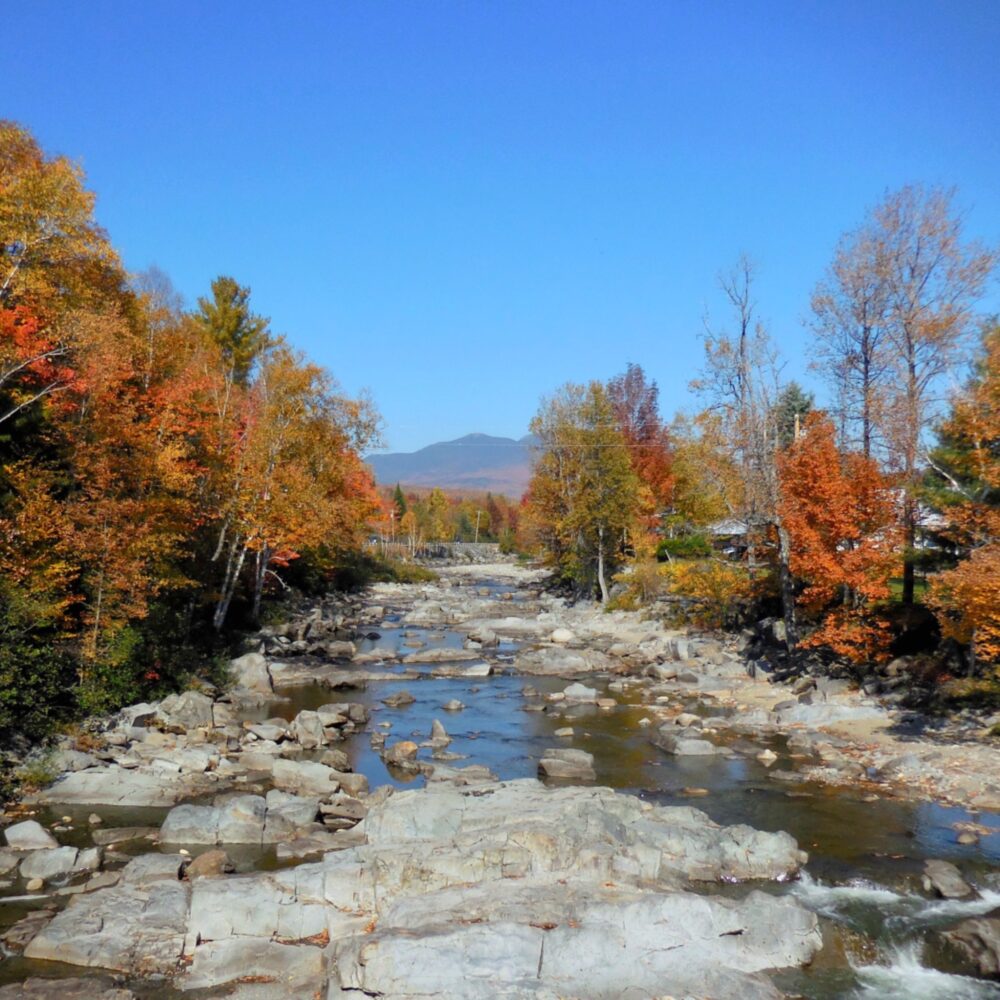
(508,890)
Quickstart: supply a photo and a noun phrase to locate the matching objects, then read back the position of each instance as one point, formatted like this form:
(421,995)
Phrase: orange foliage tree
(841,517)
(966,598)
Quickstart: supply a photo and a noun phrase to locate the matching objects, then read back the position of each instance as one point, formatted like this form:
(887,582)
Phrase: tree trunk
(260,574)
(909,569)
(600,566)
(787,590)
(228,589)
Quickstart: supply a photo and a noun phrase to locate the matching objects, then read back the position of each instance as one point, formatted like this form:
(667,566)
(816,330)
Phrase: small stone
(211,864)
(694,792)
(94,819)
(453,706)
(565,731)
(767,757)
(34,884)
(402,752)
(399,700)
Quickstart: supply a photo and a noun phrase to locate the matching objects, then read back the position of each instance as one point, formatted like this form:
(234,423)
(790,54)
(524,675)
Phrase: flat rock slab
(64,989)
(29,835)
(136,926)
(591,943)
(116,786)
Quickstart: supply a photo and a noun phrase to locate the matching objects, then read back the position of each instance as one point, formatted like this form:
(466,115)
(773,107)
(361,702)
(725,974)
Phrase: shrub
(684,547)
(717,590)
(36,673)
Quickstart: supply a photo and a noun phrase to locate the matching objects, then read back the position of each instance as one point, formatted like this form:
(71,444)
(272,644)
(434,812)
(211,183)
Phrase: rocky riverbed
(471,789)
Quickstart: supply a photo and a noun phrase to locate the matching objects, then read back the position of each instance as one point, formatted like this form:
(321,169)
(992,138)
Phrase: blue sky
(462,205)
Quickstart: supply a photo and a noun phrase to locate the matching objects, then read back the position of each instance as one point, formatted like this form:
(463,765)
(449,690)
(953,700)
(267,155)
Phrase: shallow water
(865,856)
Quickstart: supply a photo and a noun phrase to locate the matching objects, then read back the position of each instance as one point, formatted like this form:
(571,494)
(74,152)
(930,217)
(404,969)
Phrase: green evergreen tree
(793,402)
(399,499)
(226,317)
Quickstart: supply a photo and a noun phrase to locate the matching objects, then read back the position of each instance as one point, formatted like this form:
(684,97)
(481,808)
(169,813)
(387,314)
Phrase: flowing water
(863,877)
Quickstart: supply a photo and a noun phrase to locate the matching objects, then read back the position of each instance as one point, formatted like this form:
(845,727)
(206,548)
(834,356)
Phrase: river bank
(365,818)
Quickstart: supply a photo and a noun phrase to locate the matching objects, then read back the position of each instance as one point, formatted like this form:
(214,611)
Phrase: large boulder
(185,711)
(251,673)
(978,940)
(944,879)
(307,730)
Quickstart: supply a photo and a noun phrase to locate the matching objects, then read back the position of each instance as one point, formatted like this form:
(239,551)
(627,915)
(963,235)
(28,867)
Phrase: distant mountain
(476,462)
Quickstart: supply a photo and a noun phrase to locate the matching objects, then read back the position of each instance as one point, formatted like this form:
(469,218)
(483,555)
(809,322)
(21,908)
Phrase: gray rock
(251,673)
(334,714)
(50,864)
(182,712)
(29,835)
(190,824)
(560,941)
(680,744)
(562,662)
(65,989)
(567,763)
(943,878)
(288,816)
(978,940)
(305,777)
(72,760)
(399,700)
(580,692)
(136,926)
(307,730)
(240,819)
(297,970)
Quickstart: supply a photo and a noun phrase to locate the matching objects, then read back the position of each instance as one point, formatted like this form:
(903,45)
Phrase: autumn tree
(295,476)
(840,514)
(707,485)
(892,316)
(635,400)
(851,315)
(966,489)
(741,381)
(584,496)
(52,252)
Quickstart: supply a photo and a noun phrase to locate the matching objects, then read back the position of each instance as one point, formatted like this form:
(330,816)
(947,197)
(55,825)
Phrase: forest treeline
(161,470)
(413,519)
(867,525)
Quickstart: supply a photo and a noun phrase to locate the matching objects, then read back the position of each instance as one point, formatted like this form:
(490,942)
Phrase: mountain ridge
(474,462)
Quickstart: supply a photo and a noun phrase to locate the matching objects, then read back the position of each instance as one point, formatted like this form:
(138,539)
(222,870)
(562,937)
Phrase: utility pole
(479,514)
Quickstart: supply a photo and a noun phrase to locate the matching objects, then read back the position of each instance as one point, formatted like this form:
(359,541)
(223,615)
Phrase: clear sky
(462,205)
